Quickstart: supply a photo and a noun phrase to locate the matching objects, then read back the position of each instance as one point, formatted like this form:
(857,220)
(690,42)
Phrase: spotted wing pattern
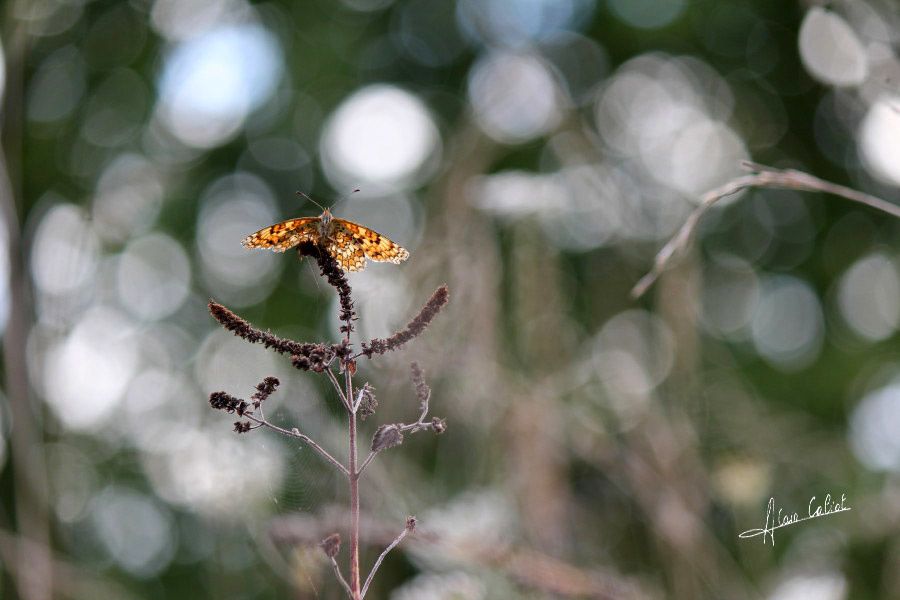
(352,243)
(349,255)
(287,234)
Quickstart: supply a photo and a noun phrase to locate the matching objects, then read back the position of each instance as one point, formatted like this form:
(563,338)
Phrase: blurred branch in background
(762,177)
(31,566)
(69,581)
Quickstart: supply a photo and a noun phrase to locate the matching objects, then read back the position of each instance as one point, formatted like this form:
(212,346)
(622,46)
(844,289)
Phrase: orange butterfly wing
(351,244)
(287,234)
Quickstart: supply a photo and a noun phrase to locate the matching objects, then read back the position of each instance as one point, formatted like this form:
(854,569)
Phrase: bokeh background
(534,155)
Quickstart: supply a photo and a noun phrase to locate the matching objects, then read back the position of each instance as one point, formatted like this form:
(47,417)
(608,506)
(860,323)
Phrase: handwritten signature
(777,520)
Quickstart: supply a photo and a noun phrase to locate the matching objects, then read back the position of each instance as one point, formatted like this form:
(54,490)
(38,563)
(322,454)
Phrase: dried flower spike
(331,545)
(264,389)
(438,300)
(227,402)
(243,329)
(423,392)
(313,357)
(331,270)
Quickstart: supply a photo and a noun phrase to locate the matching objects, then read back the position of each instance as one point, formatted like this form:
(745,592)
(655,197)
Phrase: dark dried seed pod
(386,436)
(369,403)
(331,545)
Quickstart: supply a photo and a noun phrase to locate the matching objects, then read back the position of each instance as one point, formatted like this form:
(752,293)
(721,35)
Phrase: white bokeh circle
(381,136)
(514,97)
(831,51)
(153,276)
(878,135)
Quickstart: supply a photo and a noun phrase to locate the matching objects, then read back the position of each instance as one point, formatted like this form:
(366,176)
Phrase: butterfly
(349,243)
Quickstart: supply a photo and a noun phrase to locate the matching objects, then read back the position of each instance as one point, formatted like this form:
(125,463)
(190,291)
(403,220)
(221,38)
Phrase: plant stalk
(353,478)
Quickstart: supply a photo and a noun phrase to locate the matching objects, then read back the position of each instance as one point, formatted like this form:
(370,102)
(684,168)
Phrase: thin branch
(295,433)
(761,177)
(420,423)
(437,425)
(340,578)
(359,399)
(417,426)
(396,431)
(337,386)
(366,462)
(410,526)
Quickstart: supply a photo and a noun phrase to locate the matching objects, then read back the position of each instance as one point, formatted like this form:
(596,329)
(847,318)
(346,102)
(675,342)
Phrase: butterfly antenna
(344,197)
(301,194)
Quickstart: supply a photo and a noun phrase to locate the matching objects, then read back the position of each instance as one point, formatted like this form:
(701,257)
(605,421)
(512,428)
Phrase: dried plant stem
(366,462)
(295,433)
(761,177)
(419,424)
(320,358)
(378,562)
(353,477)
(340,577)
(359,399)
(337,387)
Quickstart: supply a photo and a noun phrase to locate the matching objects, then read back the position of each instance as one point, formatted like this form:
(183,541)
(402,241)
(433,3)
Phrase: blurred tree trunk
(33,571)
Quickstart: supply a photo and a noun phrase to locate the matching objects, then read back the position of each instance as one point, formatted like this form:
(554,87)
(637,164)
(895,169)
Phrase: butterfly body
(349,243)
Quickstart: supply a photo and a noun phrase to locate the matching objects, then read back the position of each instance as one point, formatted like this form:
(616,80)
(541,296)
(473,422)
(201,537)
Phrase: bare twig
(340,577)
(410,527)
(417,426)
(295,433)
(337,386)
(761,177)
(423,393)
(436,424)
(359,399)
(366,462)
